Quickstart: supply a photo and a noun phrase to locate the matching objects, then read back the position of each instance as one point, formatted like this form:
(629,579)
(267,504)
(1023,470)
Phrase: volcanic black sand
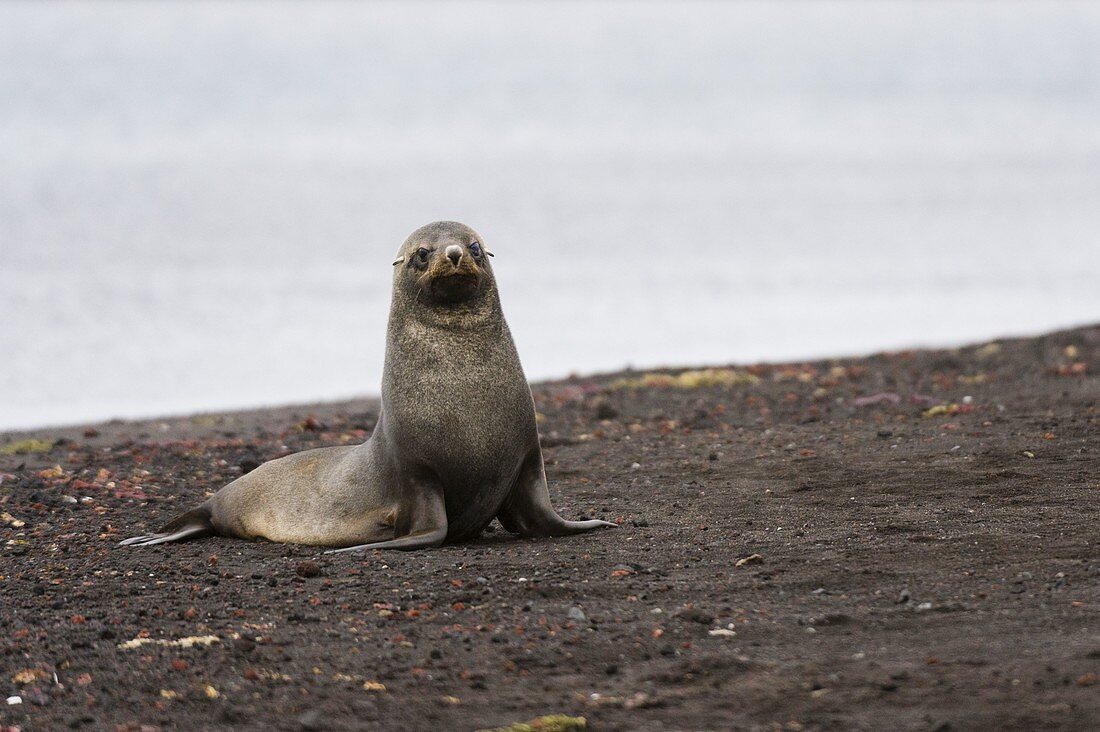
(907,541)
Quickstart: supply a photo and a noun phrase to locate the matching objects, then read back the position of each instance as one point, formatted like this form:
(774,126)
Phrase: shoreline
(901,541)
(190,423)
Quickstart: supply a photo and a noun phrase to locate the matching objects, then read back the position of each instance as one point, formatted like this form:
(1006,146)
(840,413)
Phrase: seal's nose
(454,253)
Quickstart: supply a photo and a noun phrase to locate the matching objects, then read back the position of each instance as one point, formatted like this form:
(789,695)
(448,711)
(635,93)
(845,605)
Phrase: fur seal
(455,444)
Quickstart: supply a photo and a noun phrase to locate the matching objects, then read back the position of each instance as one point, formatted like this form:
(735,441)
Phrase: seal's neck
(479,313)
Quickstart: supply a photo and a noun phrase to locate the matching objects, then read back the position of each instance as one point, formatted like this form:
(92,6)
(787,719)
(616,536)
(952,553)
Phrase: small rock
(695,615)
(903,597)
(751,559)
(233,715)
(311,720)
(606,411)
(575,613)
(722,633)
(308,569)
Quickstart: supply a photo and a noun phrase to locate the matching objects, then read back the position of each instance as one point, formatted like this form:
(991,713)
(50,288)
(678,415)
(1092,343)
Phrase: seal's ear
(398,261)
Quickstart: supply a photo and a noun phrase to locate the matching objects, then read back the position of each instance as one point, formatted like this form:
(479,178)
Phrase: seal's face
(443,264)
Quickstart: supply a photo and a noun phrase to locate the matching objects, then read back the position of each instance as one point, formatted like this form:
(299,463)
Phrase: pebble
(13,700)
(308,569)
(575,613)
(695,615)
(311,720)
(749,560)
(606,411)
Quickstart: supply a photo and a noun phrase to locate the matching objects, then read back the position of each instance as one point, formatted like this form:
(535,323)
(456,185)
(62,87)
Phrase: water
(199,202)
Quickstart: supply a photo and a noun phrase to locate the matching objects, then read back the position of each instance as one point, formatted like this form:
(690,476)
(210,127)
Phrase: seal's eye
(475,249)
(422,254)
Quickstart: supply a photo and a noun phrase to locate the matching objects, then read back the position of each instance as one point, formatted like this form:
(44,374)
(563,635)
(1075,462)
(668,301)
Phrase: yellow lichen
(546,723)
(688,380)
(24,447)
(188,642)
(12,521)
(989,349)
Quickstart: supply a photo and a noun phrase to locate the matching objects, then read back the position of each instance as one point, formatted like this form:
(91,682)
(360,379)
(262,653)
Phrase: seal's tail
(194,524)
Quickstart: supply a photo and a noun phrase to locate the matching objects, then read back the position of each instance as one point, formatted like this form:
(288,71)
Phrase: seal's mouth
(453,285)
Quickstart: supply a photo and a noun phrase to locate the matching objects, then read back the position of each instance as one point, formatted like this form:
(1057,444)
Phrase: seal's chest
(472,502)
(474,462)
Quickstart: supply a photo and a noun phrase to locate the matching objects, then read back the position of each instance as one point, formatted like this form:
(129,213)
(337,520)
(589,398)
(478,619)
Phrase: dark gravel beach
(906,541)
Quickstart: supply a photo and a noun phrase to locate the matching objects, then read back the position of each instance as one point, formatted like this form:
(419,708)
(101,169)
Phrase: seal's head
(443,264)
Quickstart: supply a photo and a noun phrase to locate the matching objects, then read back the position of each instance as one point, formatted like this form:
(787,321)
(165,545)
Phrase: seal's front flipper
(192,525)
(427,521)
(527,510)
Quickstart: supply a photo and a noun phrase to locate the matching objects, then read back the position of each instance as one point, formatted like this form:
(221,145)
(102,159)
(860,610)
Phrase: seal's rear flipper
(192,525)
